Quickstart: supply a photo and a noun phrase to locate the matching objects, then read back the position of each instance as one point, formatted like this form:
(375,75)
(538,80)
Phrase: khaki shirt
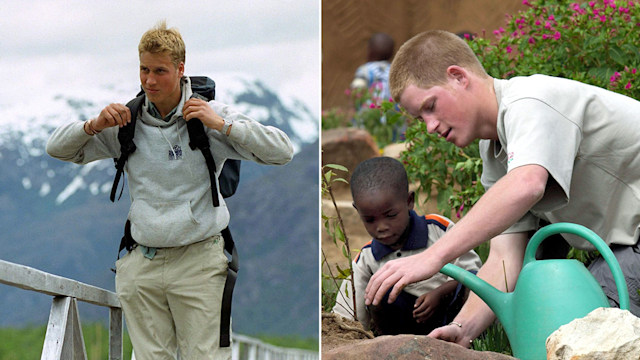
(587,138)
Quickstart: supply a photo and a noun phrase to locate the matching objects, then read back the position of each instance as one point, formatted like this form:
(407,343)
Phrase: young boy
(380,191)
(376,70)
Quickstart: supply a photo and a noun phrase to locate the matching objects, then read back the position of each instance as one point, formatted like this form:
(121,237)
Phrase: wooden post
(115,333)
(64,339)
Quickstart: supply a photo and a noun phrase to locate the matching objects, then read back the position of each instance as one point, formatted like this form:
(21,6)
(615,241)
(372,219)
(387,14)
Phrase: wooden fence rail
(64,340)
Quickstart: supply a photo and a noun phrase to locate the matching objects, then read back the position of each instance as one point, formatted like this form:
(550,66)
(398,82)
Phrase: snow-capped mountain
(57,217)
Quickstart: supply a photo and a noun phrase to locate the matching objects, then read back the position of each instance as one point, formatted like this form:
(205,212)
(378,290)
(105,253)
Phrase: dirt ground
(338,331)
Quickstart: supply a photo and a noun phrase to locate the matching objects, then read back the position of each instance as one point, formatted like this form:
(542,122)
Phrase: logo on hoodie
(175,153)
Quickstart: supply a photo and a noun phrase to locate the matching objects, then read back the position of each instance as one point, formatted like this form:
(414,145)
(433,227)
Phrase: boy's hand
(112,115)
(425,306)
(200,109)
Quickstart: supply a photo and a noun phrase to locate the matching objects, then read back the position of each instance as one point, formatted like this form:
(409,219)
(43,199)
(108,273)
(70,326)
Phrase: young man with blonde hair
(553,149)
(170,284)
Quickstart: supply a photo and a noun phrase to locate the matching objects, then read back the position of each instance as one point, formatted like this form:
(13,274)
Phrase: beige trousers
(173,301)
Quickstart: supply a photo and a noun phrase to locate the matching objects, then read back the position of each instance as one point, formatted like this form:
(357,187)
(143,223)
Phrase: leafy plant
(594,42)
(336,117)
(334,227)
(380,117)
(442,168)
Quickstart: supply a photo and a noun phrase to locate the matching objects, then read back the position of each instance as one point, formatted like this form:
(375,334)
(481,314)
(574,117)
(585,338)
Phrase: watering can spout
(497,300)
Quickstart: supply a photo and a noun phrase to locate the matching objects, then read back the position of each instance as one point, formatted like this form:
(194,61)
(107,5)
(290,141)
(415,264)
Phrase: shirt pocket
(161,223)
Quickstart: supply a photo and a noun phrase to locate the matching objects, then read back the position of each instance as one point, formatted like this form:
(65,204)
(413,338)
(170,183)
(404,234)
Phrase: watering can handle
(593,238)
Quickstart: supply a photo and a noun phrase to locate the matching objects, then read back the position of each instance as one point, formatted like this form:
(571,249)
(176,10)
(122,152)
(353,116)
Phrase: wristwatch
(227,126)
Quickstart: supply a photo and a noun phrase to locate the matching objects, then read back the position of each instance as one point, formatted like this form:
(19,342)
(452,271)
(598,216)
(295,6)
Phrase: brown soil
(338,331)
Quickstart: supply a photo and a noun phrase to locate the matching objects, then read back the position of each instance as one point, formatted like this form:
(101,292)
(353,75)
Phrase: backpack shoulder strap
(127,146)
(198,140)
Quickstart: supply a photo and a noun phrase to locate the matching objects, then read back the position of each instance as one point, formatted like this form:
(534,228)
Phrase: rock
(347,147)
(605,333)
(407,347)
(394,150)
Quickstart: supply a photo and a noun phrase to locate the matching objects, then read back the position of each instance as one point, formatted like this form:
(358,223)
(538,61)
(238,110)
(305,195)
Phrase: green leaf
(344,251)
(618,55)
(443,199)
(337,167)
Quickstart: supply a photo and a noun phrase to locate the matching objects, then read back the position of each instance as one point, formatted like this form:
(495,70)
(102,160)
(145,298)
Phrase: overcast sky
(47,45)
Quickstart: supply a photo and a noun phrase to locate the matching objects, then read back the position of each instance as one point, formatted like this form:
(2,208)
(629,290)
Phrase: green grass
(493,339)
(25,343)
(291,341)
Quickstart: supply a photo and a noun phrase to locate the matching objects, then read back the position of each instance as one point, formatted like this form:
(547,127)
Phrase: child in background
(380,191)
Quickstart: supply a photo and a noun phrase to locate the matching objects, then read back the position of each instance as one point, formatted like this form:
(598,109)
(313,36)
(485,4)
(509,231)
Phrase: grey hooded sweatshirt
(171,203)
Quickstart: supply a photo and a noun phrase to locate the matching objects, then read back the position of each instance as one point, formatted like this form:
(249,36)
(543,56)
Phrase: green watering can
(548,294)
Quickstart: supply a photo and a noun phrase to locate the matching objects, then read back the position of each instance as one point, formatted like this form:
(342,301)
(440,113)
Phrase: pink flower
(509,49)
(614,77)
(557,35)
(545,36)
(532,40)
(538,22)
(467,36)
(526,2)
(592,3)
(547,25)
(551,17)
(372,106)
(628,86)
(576,7)
(603,18)
(634,70)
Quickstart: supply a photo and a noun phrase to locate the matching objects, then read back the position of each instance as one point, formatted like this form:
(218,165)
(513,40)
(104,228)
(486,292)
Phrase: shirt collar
(417,239)
(153,111)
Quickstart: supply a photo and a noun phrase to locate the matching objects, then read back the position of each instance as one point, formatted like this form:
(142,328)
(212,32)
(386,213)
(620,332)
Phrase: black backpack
(204,88)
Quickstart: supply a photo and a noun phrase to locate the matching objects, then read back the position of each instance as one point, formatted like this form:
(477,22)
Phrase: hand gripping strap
(198,139)
(127,146)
